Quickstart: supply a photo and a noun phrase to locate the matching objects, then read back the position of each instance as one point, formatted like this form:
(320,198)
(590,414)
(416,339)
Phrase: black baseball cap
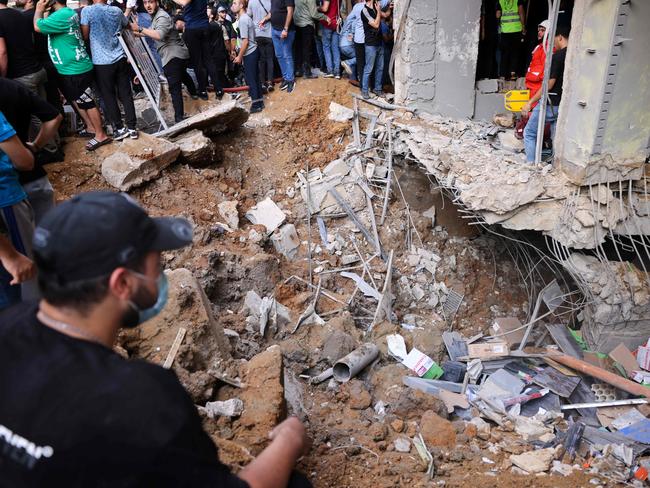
(93,233)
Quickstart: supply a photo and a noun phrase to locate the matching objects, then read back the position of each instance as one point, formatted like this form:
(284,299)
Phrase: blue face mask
(161,301)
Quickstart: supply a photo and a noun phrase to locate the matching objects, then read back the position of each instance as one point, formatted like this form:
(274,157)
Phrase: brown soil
(352,446)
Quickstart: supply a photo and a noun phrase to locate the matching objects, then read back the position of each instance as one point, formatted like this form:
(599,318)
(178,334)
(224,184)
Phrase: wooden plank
(180,335)
(556,382)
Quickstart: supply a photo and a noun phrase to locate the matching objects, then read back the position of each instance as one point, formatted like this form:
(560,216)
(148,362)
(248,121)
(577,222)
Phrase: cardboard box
(643,357)
(484,350)
(506,324)
(625,358)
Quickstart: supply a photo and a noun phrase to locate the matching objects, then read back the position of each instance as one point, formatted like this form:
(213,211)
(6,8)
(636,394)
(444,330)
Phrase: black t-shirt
(557,74)
(279,13)
(373,36)
(76,414)
(18,104)
(17,32)
(40,41)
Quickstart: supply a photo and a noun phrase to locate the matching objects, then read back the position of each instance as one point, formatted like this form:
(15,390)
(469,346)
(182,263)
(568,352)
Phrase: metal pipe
(613,403)
(349,366)
(549,36)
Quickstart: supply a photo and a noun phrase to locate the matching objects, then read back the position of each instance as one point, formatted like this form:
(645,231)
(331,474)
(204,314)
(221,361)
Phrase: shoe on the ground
(257,108)
(365,95)
(120,134)
(194,96)
(378,93)
(290,86)
(309,73)
(346,67)
(203,95)
(219,94)
(133,134)
(337,76)
(270,86)
(265,89)
(283,85)
(329,75)
(298,74)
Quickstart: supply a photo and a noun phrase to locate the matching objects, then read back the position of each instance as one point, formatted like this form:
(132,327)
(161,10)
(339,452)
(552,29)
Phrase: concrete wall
(604,121)
(435,66)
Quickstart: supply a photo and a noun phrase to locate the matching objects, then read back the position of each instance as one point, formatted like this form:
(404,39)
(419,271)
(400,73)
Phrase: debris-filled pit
(249,334)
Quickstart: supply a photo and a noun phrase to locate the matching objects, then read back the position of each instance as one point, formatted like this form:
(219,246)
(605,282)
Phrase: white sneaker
(346,67)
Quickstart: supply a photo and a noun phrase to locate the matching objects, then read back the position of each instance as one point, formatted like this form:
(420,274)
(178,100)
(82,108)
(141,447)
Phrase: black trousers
(360,51)
(201,56)
(511,47)
(176,74)
(114,81)
(304,45)
(298,480)
(267,58)
(251,73)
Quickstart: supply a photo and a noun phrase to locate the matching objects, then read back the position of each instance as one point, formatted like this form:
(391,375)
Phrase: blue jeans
(350,56)
(251,73)
(332,51)
(374,62)
(530,132)
(284,52)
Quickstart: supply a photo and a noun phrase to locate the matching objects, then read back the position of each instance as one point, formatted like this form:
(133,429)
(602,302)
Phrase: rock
(230,408)
(509,142)
(255,236)
(339,113)
(187,307)
(196,149)
(263,397)
(138,161)
(337,345)
(402,444)
(506,120)
(482,428)
(397,425)
(378,432)
(538,461)
(266,213)
(228,210)
(285,241)
(561,468)
(360,399)
(257,122)
(436,431)
(531,429)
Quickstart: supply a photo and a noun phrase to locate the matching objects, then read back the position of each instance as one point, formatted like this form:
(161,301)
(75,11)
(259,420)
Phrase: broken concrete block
(138,161)
(339,113)
(285,241)
(531,429)
(506,120)
(509,142)
(252,304)
(230,408)
(402,444)
(228,211)
(266,213)
(538,461)
(487,104)
(216,119)
(196,149)
(487,86)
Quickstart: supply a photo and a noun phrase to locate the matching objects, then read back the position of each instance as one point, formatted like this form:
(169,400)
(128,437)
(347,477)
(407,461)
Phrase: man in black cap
(75,413)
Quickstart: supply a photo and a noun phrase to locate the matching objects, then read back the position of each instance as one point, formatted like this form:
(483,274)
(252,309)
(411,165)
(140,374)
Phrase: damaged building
(591,204)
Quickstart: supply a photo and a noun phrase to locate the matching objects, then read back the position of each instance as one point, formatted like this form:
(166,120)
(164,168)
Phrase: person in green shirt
(68,53)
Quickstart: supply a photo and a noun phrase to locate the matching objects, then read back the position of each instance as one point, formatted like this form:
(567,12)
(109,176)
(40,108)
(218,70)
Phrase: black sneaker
(120,134)
(265,89)
(298,74)
(270,86)
(290,86)
(378,93)
(194,96)
(283,85)
(219,94)
(257,109)
(203,95)
(133,134)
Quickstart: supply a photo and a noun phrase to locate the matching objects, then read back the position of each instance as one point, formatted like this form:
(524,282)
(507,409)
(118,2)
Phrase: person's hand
(523,31)
(134,26)
(392,5)
(32,147)
(42,5)
(525,110)
(377,5)
(260,24)
(285,34)
(329,21)
(20,267)
(238,59)
(293,432)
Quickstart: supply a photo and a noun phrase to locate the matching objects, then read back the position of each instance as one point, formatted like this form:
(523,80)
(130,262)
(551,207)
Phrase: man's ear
(121,283)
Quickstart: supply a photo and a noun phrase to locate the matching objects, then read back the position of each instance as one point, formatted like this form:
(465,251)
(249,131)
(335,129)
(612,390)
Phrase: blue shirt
(359,36)
(195,15)
(10,190)
(105,24)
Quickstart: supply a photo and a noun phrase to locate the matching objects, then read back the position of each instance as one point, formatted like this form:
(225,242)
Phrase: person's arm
(273,467)
(20,267)
(4,59)
(536,97)
(182,3)
(522,18)
(376,22)
(287,23)
(157,32)
(315,14)
(21,157)
(46,133)
(242,49)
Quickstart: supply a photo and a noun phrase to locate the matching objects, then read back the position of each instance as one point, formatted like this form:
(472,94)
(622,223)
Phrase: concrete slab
(487,105)
(219,118)
(266,213)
